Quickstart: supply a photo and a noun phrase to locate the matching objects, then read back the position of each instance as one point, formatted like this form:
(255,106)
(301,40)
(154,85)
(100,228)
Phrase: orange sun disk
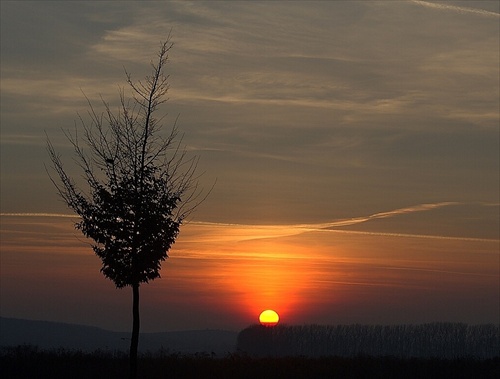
(269,318)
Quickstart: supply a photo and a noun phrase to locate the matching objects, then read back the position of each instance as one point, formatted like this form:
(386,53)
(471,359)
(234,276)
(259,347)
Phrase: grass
(30,362)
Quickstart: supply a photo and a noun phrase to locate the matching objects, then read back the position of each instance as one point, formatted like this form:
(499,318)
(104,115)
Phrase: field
(433,340)
(30,362)
(435,350)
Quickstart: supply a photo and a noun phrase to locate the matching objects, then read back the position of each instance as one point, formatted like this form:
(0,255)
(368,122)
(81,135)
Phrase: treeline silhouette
(433,340)
(27,362)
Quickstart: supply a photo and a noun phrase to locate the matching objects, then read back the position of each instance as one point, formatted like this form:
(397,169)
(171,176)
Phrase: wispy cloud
(245,232)
(242,232)
(458,9)
(409,235)
(60,215)
(284,93)
(393,213)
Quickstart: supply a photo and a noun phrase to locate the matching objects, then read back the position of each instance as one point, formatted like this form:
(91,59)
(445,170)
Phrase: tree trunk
(134,342)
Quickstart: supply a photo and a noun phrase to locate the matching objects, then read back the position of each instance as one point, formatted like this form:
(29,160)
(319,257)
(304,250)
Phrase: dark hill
(54,335)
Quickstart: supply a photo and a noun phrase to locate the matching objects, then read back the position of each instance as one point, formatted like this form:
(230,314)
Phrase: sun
(269,318)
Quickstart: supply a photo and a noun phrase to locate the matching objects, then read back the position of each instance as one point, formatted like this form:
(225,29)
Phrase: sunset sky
(354,145)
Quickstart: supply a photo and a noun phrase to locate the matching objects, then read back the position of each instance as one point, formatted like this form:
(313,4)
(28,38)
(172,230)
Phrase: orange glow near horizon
(273,278)
(304,272)
(254,263)
(229,273)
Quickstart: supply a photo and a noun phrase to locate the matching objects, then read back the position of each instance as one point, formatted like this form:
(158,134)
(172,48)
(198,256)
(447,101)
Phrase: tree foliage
(141,185)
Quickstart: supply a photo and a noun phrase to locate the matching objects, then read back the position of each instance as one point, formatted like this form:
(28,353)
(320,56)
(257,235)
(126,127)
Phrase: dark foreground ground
(28,362)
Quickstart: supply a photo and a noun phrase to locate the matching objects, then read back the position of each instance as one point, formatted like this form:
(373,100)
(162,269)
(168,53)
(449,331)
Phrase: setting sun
(269,318)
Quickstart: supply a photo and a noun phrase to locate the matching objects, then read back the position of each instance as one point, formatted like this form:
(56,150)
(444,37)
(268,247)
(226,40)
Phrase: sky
(354,147)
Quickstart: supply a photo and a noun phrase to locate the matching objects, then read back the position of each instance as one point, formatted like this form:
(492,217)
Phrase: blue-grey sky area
(302,111)
(368,116)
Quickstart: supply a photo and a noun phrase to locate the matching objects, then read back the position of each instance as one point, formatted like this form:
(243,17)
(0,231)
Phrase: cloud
(410,235)
(458,9)
(388,214)
(346,222)
(240,232)
(57,215)
(282,100)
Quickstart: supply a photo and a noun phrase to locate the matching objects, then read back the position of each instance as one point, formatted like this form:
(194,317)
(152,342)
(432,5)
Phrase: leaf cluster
(141,185)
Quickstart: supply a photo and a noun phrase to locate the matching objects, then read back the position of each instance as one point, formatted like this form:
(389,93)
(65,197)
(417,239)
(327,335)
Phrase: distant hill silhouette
(441,340)
(54,335)
(434,340)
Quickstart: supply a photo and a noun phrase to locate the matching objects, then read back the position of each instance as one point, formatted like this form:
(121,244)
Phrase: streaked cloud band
(455,8)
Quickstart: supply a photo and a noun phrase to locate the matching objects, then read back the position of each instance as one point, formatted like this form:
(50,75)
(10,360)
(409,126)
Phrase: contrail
(396,212)
(243,232)
(342,222)
(38,215)
(455,8)
(409,235)
(274,231)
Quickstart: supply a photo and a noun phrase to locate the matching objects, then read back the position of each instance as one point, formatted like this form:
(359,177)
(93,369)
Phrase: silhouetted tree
(141,185)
